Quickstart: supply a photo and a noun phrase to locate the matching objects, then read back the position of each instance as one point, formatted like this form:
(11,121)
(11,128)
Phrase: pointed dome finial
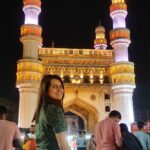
(99,22)
(99,28)
(52,44)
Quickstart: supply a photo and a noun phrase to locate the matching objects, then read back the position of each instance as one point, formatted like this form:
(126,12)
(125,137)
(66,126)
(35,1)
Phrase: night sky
(71,24)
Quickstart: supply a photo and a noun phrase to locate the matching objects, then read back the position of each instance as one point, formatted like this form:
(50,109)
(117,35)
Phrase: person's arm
(88,145)
(62,140)
(118,136)
(17,142)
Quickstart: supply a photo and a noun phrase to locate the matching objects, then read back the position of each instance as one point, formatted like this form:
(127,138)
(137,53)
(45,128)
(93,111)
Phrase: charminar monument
(96,80)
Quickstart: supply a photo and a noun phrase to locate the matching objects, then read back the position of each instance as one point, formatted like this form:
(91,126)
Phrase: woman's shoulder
(54,110)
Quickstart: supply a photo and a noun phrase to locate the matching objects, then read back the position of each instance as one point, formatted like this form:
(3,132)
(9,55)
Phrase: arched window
(106,79)
(114,80)
(107,96)
(96,79)
(107,108)
(66,79)
(86,79)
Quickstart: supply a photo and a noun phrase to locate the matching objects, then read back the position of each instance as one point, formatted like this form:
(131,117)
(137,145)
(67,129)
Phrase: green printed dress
(50,122)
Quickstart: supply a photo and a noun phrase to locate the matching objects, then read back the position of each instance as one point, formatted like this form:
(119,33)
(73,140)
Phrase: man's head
(140,124)
(3,112)
(116,115)
(32,128)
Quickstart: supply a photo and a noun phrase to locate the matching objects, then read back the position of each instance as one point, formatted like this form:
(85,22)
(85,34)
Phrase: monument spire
(29,68)
(100,41)
(122,71)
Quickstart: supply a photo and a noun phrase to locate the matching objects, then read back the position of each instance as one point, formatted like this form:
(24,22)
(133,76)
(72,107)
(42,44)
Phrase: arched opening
(96,79)
(66,79)
(107,96)
(86,79)
(85,111)
(106,79)
(107,108)
(75,123)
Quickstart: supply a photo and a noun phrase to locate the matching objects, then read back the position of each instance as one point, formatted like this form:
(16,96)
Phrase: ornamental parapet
(32,2)
(119,33)
(29,70)
(122,73)
(76,52)
(118,6)
(31,29)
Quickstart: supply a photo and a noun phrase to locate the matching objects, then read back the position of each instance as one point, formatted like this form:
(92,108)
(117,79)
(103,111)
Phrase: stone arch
(80,115)
(86,111)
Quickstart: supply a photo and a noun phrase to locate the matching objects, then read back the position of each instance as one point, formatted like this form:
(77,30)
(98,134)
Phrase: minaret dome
(100,41)
(99,29)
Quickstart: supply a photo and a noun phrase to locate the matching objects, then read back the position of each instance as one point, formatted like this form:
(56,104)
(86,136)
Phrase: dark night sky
(71,24)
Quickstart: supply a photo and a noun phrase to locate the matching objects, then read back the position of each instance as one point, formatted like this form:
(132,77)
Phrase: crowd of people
(51,127)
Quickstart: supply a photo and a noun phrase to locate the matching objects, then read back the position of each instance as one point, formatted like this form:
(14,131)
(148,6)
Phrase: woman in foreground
(49,117)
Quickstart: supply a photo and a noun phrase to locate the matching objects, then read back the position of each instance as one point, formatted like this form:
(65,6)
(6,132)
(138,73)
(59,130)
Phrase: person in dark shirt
(130,142)
(49,117)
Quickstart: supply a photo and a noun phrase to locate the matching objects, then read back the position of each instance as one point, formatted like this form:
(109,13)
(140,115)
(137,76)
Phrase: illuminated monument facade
(96,80)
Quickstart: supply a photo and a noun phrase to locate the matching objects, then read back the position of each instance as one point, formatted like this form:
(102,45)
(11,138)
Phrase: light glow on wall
(119,22)
(30,20)
(126,87)
(118,17)
(31,15)
(117,1)
(121,55)
(121,50)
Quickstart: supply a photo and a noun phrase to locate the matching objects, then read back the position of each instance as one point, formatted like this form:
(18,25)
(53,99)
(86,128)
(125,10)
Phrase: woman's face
(56,90)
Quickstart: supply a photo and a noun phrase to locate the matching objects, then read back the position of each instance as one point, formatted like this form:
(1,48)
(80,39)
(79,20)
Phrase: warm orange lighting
(122,73)
(32,2)
(100,41)
(31,30)
(81,75)
(118,6)
(121,33)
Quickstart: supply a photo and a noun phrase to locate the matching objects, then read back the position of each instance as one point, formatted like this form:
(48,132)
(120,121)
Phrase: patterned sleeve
(57,119)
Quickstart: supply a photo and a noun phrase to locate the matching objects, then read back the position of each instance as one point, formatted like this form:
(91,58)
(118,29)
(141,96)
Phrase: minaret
(122,71)
(100,41)
(29,68)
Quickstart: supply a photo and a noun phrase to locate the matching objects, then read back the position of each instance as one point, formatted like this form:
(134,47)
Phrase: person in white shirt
(31,134)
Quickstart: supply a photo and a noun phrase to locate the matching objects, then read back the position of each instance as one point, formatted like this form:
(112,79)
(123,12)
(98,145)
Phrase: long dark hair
(44,99)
